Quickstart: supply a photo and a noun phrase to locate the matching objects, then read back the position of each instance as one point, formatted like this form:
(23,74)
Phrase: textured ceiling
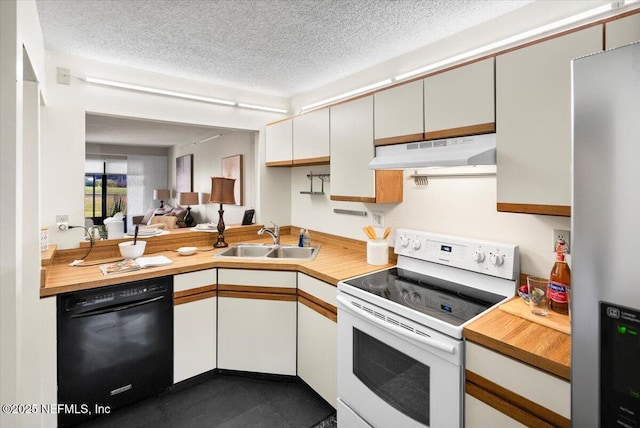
(277,47)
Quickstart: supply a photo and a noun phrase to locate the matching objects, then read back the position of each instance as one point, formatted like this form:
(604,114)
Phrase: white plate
(187,251)
(206,226)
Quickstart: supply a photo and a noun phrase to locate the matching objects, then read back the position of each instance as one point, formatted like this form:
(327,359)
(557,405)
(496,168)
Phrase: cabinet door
(480,415)
(311,138)
(279,143)
(351,151)
(257,321)
(257,335)
(460,102)
(399,114)
(533,112)
(317,329)
(622,31)
(194,338)
(194,324)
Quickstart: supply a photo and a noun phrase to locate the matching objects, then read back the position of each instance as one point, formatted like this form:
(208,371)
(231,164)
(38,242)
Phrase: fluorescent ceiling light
(510,40)
(263,108)
(210,138)
(158,91)
(180,95)
(348,94)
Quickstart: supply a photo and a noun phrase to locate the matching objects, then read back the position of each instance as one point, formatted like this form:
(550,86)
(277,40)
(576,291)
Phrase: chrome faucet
(275,234)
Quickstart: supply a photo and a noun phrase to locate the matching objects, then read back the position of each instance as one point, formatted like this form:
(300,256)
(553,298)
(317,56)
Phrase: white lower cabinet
(504,392)
(257,321)
(317,329)
(477,414)
(194,324)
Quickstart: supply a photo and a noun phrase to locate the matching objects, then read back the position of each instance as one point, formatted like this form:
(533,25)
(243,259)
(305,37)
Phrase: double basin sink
(265,251)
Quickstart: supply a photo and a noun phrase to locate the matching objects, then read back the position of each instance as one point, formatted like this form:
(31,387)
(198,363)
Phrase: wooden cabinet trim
(279,163)
(559,210)
(409,138)
(256,289)
(463,131)
(193,297)
(324,160)
(257,296)
(257,292)
(508,402)
(333,316)
(194,291)
(313,300)
(353,199)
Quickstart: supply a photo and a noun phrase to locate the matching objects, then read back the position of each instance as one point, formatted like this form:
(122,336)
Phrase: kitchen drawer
(320,289)
(257,278)
(535,385)
(187,281)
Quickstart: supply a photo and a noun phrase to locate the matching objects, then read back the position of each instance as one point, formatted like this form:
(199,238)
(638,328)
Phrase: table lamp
(222,192)
(188,199)
(161,195)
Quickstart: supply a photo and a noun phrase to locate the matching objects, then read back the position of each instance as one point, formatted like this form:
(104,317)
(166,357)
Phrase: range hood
(472,150)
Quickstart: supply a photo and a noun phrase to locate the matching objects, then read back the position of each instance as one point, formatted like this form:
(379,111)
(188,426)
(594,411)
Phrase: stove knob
(478,256)
(497,259)
(404,241)
(416,245)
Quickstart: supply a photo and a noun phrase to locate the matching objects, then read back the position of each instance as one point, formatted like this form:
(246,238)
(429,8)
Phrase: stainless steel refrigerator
(605,362)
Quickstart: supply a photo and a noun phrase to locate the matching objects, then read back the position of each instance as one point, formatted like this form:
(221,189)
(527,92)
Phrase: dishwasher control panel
(138,290)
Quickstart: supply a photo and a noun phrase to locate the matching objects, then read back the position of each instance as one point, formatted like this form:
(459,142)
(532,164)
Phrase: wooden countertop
(529,342)
(338,259)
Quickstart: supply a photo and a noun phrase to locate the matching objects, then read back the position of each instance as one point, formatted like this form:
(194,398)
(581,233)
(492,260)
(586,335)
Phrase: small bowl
(186,251)
(130,251)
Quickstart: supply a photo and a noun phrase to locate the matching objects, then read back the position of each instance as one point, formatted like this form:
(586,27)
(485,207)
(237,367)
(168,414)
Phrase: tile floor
(226,401)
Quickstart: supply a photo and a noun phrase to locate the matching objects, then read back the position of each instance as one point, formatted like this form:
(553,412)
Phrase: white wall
(207,157)
(452,205)
(22,53)
(63,125)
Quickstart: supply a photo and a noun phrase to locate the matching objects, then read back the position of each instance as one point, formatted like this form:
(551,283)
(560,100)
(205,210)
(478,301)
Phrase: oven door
(390,376)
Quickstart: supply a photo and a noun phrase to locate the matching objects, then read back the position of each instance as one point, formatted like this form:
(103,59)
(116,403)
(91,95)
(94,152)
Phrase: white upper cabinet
(398,114)
(622,31)
(460,101)
(311,138)
(351,151)
(279,143)
(533,113)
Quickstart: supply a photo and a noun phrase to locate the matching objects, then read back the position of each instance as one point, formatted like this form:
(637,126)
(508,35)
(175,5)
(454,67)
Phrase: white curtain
(144,173)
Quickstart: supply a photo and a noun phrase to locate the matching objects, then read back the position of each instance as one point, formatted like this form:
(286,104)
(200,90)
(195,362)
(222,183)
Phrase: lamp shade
(161,194)
(222,190)
(189,198)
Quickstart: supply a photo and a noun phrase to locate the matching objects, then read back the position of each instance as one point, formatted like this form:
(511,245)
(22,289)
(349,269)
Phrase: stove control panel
(491,258)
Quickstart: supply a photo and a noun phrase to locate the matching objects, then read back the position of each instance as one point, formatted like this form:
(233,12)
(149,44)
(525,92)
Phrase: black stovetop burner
(444,300)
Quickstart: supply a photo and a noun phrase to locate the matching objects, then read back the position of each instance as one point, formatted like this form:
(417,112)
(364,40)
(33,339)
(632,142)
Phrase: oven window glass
(396,378)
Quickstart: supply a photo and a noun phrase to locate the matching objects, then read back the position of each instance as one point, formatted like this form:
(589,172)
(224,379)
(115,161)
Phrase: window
(105,188)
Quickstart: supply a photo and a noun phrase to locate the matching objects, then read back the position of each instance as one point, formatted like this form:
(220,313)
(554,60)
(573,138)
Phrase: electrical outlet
(377,217)
(62,222)
(565,235)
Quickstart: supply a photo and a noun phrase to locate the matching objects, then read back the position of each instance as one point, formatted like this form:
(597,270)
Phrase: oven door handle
(428,341)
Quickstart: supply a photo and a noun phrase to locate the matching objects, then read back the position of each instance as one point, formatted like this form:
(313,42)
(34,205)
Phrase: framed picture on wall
(232,168)
(184,173)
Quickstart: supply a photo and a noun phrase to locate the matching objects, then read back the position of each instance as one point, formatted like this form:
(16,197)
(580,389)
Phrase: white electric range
(400,347)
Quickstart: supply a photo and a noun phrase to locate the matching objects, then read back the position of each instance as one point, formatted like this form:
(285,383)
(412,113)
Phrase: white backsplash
(452,205)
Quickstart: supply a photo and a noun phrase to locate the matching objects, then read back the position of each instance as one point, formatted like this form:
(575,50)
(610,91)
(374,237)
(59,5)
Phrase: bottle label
(557,292)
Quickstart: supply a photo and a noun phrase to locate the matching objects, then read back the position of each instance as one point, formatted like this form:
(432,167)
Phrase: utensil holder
(377,252)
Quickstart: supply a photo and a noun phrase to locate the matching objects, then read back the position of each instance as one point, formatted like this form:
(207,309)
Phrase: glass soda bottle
(559,282)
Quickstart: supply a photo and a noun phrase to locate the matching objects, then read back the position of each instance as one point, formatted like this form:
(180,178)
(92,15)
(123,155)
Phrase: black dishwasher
(115,347)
